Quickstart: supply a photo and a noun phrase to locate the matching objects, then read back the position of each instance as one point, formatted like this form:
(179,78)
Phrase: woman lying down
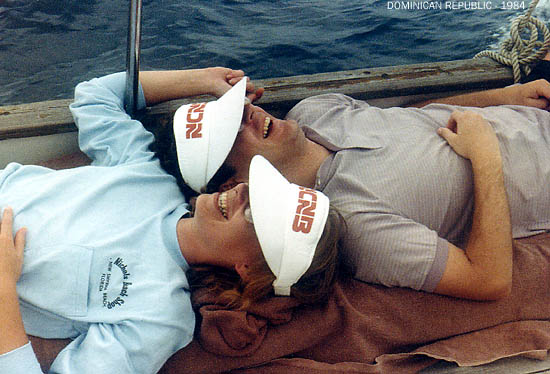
(108,245)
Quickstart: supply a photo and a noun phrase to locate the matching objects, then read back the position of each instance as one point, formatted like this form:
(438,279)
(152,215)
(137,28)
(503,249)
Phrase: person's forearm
(12,331)
(160,86)
(483,270)
(479,99)
(534,94)
(489,246)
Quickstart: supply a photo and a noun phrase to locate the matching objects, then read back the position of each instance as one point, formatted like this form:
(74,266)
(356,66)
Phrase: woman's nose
(242,191)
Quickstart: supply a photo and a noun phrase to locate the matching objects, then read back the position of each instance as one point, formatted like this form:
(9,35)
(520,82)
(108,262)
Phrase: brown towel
(373,329)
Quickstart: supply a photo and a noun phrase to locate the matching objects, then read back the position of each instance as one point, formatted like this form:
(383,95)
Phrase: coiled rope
(519,53)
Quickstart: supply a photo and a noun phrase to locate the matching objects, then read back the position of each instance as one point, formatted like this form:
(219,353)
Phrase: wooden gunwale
(429,79)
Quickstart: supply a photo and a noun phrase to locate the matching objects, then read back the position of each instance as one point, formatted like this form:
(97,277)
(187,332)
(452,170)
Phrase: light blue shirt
(102,263)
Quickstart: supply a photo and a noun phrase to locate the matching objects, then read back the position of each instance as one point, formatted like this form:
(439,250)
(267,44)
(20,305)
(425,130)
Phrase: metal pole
(132,57)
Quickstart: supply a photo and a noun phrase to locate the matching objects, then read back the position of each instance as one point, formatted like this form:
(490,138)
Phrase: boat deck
(49,130)
(512,365)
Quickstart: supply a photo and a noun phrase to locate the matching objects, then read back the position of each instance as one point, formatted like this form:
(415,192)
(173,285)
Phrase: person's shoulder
(334,98)
(315,106)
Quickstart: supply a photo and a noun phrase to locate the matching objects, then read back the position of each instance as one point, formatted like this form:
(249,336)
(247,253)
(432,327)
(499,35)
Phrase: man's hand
(535,94)
(470,136)
(483,270)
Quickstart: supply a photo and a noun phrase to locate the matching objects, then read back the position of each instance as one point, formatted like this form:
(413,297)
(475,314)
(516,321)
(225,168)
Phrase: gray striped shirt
(405,193)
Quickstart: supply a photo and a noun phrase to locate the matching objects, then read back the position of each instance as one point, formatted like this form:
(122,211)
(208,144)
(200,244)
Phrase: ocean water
(48,46)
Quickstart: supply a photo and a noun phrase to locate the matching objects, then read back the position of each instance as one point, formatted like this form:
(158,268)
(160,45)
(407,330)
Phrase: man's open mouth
(222,203)
(267,126)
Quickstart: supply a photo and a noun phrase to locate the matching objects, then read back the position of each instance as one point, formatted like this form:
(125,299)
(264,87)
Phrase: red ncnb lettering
(304,191)
(302,224)
(194,118)
(199,107)
(197,110)
(305,211)
(193,130)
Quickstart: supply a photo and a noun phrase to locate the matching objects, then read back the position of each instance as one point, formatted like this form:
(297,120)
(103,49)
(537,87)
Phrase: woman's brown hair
(313,287)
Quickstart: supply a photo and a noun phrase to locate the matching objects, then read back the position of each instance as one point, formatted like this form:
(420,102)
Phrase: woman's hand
(224,78)
(11,250)
(164,85)
(12,330)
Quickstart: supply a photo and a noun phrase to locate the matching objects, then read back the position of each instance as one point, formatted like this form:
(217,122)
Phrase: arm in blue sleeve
(107,134)
(20,361)
(125,348)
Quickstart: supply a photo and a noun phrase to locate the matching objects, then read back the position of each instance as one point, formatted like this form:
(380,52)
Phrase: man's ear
(228,184)
(244,271)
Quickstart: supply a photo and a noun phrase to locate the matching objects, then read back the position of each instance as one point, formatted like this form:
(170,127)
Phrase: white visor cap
(289,221)
(205,133)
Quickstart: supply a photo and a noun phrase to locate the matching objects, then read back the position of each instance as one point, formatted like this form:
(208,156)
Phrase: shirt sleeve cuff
(438,266)
(21,360)
(141,103)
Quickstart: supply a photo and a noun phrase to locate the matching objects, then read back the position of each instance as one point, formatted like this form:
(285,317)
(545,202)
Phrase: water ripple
(47,46)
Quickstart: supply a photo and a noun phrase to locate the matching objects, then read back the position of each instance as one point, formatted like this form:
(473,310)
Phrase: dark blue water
(47,46)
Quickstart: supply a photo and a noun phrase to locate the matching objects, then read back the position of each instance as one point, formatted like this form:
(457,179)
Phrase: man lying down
(432,196)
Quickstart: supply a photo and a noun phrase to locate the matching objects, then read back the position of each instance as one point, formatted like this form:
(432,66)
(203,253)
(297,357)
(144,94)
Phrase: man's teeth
(267,124)
(222,203)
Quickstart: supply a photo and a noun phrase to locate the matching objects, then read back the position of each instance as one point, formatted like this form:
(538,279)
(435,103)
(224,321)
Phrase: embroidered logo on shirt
(111,301)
